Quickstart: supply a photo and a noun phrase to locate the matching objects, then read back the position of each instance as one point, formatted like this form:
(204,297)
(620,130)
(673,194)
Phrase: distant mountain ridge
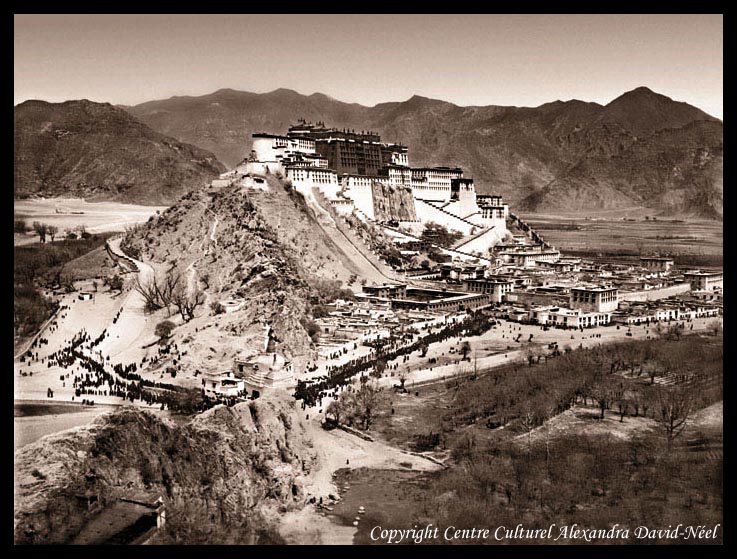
(641,149)
(101,152)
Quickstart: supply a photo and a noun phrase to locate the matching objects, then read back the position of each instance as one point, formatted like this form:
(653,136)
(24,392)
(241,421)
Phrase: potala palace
(359,174)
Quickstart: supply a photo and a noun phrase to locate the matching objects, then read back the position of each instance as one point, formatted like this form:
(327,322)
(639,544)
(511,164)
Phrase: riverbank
(338,450)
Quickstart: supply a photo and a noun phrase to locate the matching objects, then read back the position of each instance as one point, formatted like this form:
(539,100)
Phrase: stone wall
(654,294)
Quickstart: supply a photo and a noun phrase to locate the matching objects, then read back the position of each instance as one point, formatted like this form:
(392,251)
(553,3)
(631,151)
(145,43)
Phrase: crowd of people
(389,349)
(91,376)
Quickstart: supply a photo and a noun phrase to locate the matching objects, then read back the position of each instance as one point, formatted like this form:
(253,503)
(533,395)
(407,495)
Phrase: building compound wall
(262,167)
(654,294)
(359,190)
(484,241)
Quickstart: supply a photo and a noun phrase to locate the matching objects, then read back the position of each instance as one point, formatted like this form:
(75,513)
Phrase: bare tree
(150,294)
(163,292)
(465,349)
(674,407)
(622,407)
(673,332)
(186,302)
(167,289)
(636,401)
(652,372)
(52,230)
(337,410)
(527,422)
(41,229)
(604,393)
(379,368)
(532,354)
(402,379)
(549,414)
(464,447)
(659,329)
(367,400)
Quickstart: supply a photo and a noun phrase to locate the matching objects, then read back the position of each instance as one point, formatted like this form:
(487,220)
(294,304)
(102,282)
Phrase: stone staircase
(258,378)
(464,224)
(464,241)
(451,251)
(531,233)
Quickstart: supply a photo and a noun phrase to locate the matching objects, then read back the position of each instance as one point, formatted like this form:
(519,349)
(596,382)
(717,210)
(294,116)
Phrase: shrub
(164,329)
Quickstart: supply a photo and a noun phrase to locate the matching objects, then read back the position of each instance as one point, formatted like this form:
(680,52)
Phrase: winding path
(125,334)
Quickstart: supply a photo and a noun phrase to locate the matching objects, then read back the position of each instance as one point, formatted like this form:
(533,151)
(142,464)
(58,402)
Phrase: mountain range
(640,150)
(100,152)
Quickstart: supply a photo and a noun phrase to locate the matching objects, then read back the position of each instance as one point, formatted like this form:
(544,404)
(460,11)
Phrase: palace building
(351,168)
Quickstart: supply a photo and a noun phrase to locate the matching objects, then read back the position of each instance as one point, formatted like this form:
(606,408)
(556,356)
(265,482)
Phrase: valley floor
(336,449)
(608,232)
(97,217)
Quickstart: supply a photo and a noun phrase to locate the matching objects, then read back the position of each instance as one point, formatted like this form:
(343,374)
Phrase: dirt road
(122,344)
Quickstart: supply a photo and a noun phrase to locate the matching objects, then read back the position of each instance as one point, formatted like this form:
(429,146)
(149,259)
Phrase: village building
(386,290)
(497,288)
(529,255)
(225,384)
(546,296)
(426,300)
(459,271)
(657,264)
(577,318)
(705,281)
(596,299)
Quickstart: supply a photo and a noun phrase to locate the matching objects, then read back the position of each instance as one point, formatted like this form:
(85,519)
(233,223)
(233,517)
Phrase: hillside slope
(595,156)
(100,152)
(263,247)
(217,474)
(678,171)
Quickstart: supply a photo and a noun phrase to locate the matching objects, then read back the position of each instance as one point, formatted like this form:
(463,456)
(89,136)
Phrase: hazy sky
(522,60)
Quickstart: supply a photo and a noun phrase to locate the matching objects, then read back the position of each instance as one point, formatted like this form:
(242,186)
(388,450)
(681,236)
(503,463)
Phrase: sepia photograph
(368,279)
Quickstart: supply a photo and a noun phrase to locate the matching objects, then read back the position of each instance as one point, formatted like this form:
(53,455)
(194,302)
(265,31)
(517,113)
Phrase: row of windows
(351,162)
(579,320)
(584,297)
(491,214)
(367,153)
(437,175)
(301,175)
(484,287)
(424,187)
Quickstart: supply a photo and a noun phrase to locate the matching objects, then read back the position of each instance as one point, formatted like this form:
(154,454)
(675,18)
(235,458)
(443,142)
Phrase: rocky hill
(219,474)
(562,155)
(267,248)
(100,152)
(392,203)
